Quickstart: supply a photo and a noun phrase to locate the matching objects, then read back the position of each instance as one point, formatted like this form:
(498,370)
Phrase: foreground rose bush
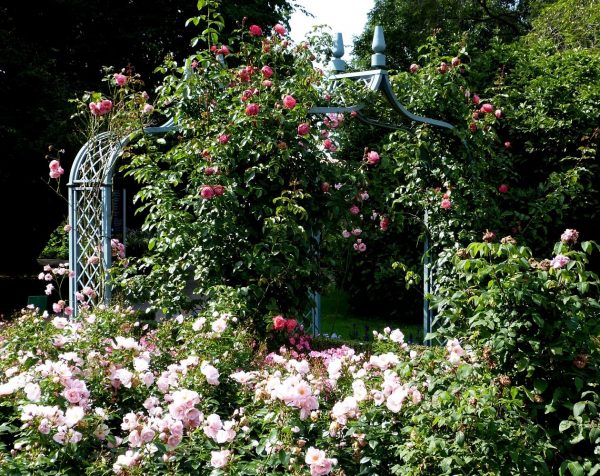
(112,394)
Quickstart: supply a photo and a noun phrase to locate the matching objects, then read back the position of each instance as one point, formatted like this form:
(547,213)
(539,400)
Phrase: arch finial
(378,58)
(337,63)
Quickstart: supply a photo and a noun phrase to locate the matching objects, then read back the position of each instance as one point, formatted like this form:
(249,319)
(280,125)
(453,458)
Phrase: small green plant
(58,243)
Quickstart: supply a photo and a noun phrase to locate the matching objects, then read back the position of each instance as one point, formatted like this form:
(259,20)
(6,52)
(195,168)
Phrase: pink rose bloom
(473,127)
(266,71)
(503,188)
(328,144)
(507,145)
(146,96)
(414,68)
(252,109)
(289,102)
(57,307)
(346,234)
(476,99)
(267,83)
(303,129)
(120,79)
(569,236)
(559,261)
(372,158)
(225,50)
(105,106)
(498,113)
(67,228)
(278,323)
(280,29)
(206,192)
(290,325)
(194,64)
(356,232)
(443,68)
(255,30)
(384,223)
(354,210)
(486,108)
(223,139)
(218,190)
(219,459)
(148,108)
(455,61)
(446,204)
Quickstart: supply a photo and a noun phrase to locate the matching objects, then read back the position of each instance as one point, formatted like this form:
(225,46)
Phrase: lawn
(337,317)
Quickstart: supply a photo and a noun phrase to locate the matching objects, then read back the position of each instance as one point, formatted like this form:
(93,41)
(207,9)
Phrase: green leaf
(575,468)
(579,408)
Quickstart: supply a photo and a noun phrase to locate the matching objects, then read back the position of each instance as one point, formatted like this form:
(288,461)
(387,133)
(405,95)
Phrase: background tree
(55,52)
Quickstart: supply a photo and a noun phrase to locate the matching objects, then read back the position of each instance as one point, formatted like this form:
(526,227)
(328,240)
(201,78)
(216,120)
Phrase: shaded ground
(15,290)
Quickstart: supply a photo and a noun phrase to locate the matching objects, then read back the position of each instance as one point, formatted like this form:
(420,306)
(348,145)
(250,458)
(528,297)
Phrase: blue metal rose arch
(91,181)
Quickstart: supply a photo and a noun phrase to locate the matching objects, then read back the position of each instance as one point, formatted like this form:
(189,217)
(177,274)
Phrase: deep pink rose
(206,192)
(255,30)
(252,109)
(303,129)
(225,50)
(443,68)
(290,325)
(476,99)
(473,127)
(503,188)
(223,139)
(354,210)
(120,79)
(446,204)
(325,187)
(278,322)
(384,223)
(372,158)
(218,190)
(280,29)
(266,71)
(486,108)
(289,102)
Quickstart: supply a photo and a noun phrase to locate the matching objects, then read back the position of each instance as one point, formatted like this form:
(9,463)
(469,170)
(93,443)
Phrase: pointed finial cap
(378,58)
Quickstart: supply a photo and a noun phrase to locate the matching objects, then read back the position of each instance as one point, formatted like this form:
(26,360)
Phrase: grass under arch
(337,317)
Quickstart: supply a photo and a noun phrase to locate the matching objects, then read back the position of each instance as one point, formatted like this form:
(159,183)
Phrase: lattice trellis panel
(90,202)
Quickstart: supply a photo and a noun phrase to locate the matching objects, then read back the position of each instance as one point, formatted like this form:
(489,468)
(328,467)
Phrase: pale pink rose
(67,228)
(219,459)
(314,456)
(219,326)
(498,113)
(559,261)
(569,236)
(267,83)
(354,210)
(289,102)
(356,231)
(414,68)
(33,392)
(148,108)
(346,234)
(211,373)
(455,61)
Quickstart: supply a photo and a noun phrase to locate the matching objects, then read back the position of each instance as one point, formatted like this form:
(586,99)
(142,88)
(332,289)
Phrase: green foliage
(57,245)
(539,323)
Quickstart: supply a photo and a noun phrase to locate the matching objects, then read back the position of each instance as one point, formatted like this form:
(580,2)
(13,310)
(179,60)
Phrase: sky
(348,17)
